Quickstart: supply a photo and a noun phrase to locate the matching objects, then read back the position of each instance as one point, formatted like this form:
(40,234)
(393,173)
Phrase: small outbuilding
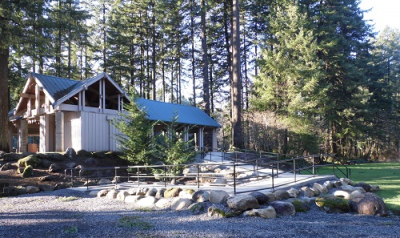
(56,113)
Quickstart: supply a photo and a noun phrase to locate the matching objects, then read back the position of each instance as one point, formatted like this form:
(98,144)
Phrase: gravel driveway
(67,213)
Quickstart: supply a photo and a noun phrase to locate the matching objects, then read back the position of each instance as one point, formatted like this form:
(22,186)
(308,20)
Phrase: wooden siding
(98,134)
(70,136)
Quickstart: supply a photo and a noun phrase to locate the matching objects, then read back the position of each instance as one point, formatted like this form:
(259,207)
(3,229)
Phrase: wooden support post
(23,136)
(10,136)
(44,134)
(59,131)
(37,100)
(214,140)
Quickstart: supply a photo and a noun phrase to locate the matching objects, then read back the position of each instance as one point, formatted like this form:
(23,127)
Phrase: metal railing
(239,169)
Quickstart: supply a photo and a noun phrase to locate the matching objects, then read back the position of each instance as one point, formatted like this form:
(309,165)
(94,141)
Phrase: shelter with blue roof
(65,113)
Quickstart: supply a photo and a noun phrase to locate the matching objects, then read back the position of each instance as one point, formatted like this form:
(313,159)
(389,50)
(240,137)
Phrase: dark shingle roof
(161,111)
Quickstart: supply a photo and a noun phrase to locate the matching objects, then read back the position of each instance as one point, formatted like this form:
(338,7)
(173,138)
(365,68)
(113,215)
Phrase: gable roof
(161,111)
(61,89)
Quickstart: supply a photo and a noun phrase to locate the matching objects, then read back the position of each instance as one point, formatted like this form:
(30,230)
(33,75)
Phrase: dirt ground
(42,175)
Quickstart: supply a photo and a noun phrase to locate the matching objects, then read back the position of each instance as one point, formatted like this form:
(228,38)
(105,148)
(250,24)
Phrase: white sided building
(55,113)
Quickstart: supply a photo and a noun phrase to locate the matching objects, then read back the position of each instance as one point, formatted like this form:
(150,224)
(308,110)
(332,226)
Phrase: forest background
(293,77)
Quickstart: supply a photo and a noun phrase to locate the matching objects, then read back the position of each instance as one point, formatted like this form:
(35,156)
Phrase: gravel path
(49,215)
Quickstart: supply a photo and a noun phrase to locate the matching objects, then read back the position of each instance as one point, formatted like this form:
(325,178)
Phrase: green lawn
(386,175)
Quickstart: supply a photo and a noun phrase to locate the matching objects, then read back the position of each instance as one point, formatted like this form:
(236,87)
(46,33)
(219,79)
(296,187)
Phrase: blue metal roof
(57,87)
(161,111)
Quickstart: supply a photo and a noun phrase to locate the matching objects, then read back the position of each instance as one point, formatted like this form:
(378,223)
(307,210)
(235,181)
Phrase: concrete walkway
(283,181)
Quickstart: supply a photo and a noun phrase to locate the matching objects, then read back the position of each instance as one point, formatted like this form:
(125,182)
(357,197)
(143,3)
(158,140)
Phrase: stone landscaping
(341,196)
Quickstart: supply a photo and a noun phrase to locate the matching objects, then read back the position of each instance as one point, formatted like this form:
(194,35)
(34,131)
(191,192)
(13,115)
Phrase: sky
(383,13)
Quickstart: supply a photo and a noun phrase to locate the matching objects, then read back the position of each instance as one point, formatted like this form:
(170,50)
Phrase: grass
(134,222)
(70,230)
(67,199)
(385,175)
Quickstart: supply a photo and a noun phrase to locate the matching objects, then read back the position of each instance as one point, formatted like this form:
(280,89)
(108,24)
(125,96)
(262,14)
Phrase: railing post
(116,178)
(72,178)
(165,177)
(198,177)
(294,168)
(234,178)
(137,176)
(313,166)
(273,177)
(277,166)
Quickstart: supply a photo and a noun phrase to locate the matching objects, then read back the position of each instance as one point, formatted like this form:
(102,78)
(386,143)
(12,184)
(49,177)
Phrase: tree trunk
(192,53)
(236,80)
(153,53)
(206,83)
(4,100)
(104,39)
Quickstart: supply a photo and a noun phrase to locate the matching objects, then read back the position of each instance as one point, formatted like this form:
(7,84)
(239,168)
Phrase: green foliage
(67,199)
(384,175)
(29,160)
(171,148)
(134,222)
(28,172)
(135,136)
(70,230)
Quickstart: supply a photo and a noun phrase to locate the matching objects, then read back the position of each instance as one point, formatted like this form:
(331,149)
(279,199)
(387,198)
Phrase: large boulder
(329,184)
(300,205)
(104,181)
(281,195)
(70,153)
(267,213)
(271,196)
(5,167)
(198,208)
(28,172)
(32,189)
(321,189)
(293,192)
(307,192)
(218,196)
(160,192)
(91,162)
(180,203)
(142,191)
(46,187)
(342,194)
(368,204)
(151,192)
(220,211)
(346,181)
(133,198)
(242,202)
(12,157)
(54,168)
(283,208)
(84,153)
(365,186)
(46,163)
(146,202)
(201,196)
(350,188)
(122,195)
(102,193)
(172,192)
(332,204)
(112,194)
(29,160)
(164,203)
(186,193)
(261,197)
